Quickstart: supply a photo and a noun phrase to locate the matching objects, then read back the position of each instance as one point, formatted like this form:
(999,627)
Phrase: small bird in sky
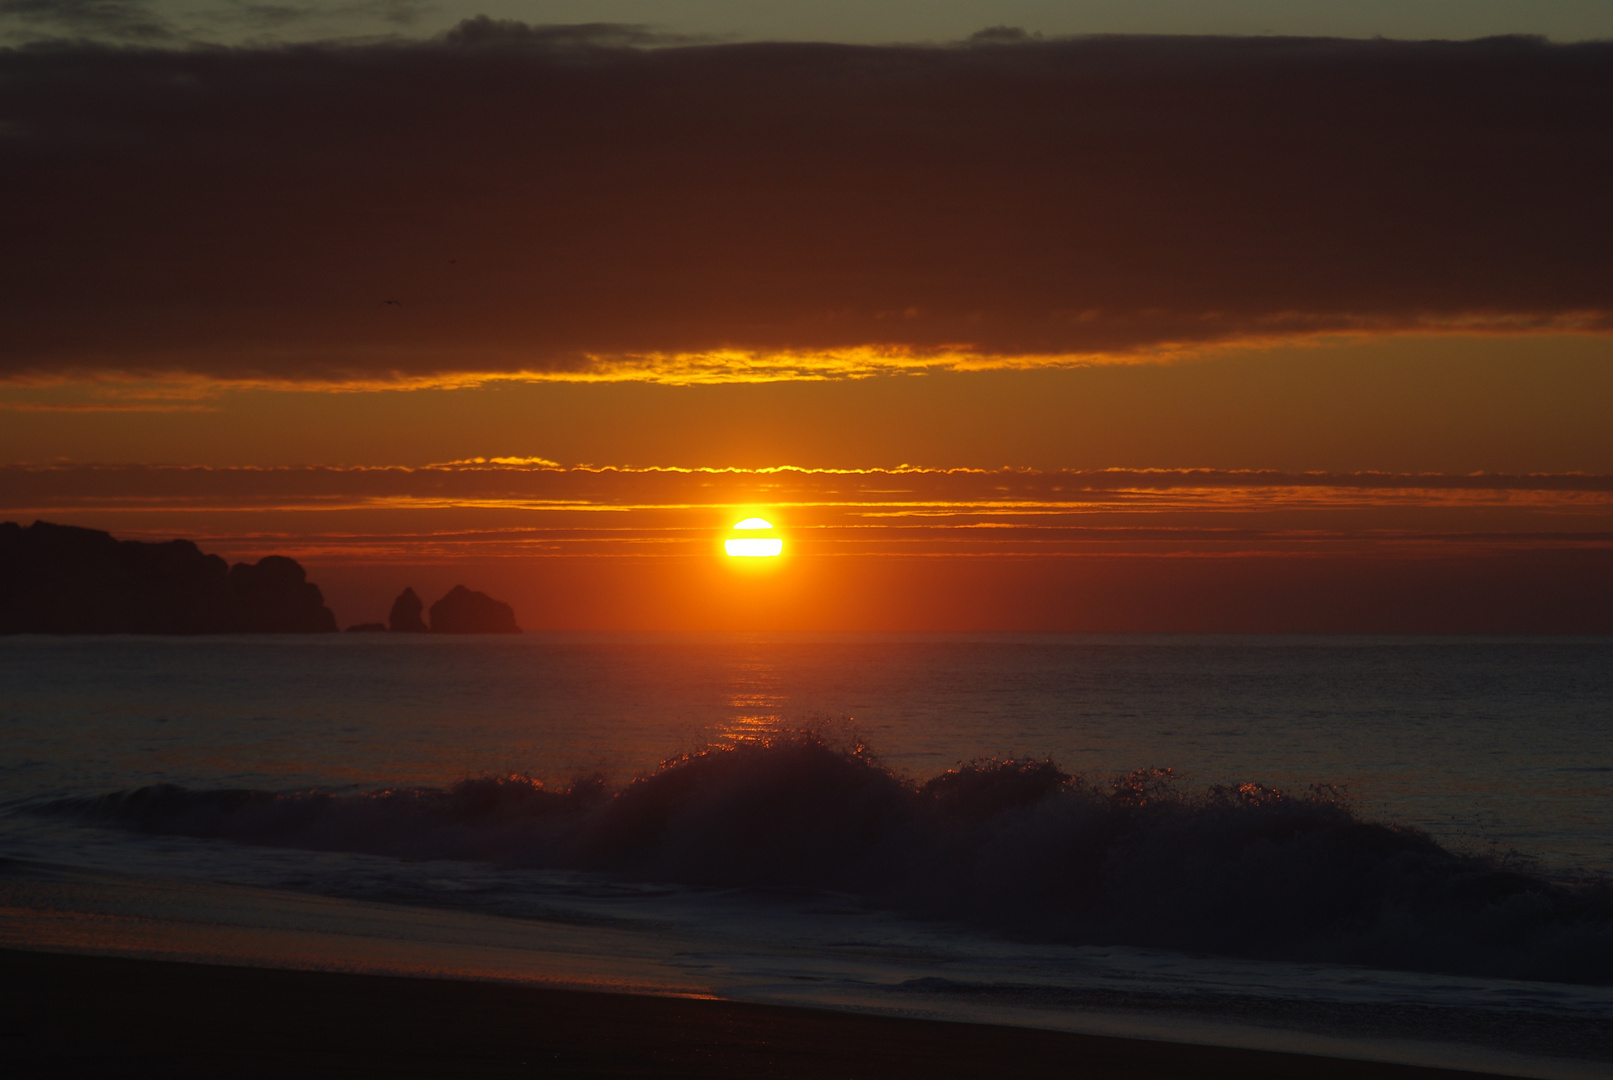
(394,303)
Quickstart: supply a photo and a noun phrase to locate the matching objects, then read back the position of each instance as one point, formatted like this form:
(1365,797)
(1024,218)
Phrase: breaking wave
(1018,847)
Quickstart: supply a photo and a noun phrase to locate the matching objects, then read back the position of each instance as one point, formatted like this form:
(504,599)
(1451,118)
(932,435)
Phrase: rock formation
(405,617)
(465,612)
(367,628)
(61,579)
(274,596)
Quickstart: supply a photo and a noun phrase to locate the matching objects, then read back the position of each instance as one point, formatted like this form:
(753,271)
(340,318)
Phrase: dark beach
(73,1015)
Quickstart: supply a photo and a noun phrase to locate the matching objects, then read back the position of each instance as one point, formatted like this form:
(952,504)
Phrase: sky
(1011,317)
(874,22)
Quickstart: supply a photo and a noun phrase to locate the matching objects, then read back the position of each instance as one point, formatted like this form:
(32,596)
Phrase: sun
(753,547)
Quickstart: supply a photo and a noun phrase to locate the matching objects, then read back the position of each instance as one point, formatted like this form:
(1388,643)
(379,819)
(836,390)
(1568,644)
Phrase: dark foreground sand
(95,1016)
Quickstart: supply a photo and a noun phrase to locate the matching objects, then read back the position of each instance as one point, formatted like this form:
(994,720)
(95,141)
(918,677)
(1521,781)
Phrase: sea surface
(1394,848)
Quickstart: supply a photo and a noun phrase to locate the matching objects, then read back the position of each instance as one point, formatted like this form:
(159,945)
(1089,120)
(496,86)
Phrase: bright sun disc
(753,547)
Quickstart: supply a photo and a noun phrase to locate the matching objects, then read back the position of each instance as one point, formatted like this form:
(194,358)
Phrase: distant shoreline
(64,579)
(71,1015)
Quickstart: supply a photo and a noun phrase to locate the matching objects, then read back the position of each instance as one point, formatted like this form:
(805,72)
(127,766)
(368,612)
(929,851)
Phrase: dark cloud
(396,12)
(533,196)
(154,21)
(1001,35)
(486,32)
(123,20)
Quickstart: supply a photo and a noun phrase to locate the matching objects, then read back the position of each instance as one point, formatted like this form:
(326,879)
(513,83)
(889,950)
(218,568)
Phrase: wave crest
(1019,847)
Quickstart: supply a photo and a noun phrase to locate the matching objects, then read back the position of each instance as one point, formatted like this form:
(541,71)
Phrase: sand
(74,1015)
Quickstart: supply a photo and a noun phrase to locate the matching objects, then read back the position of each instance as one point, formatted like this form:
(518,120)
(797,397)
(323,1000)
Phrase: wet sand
(72,1015)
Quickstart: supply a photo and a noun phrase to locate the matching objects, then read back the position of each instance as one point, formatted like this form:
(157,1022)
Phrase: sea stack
(463,611)
(405,617)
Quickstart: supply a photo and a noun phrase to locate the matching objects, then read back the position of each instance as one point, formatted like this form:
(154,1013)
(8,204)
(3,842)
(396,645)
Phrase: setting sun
(753,547)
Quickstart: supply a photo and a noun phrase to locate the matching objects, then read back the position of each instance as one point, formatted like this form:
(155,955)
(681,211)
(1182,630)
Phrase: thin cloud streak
(538,478)
(487,509)
(572,207)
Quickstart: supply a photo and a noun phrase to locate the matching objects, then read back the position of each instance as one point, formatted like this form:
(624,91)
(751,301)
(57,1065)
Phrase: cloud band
(510,201)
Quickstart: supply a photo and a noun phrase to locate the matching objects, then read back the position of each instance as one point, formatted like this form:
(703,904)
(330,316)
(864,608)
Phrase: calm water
(240,762)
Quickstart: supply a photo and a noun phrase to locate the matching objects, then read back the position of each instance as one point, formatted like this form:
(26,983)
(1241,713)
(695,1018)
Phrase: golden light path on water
(755,694)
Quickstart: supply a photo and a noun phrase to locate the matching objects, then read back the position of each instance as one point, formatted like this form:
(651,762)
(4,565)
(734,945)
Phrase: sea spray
(1018,847)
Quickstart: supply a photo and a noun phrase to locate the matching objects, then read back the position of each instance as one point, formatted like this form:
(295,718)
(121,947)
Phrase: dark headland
(91,1016)
(61,579)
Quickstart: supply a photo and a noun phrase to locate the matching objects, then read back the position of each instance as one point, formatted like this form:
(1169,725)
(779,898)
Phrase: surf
(1020,848)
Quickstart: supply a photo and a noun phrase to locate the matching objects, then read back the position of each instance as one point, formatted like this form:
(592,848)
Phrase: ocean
(1394,848)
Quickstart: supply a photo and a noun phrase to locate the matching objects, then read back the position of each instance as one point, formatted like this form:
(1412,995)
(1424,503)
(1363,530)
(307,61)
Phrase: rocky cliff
(61,579)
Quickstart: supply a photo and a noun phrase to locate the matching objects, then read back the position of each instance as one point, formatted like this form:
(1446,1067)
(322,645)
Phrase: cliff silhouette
(62,579)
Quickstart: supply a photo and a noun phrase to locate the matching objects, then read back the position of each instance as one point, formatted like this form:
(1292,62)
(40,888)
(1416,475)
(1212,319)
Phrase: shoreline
(67,1015)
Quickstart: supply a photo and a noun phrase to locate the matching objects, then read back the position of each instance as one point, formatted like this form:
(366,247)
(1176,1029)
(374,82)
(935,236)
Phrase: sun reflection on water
(752,700)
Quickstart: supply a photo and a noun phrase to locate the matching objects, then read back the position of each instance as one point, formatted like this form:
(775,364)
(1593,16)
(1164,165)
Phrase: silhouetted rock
(61,579)
(465,612)
(405,617)
(367,628)
(274,597)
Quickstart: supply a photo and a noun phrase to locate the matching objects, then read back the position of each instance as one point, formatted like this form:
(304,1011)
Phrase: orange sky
(1452,404)
(894,549)
(1177,334)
